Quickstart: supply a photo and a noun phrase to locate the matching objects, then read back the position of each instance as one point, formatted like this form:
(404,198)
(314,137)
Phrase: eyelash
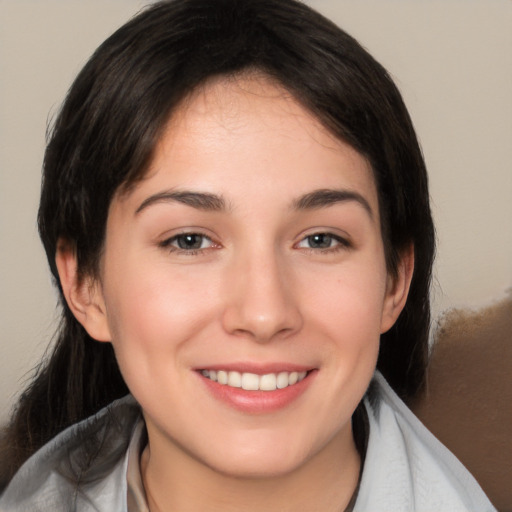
(167,244)
(341,243)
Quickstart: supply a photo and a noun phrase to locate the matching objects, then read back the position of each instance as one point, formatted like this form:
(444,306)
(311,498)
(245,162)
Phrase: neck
(176,481)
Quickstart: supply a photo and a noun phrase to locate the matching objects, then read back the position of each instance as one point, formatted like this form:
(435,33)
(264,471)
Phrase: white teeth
(254,382)
(250,381)
(222,377)
(268,382)
(282,380)
(235,379)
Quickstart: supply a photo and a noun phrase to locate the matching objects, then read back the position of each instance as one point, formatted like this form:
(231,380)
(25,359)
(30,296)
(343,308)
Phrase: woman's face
(251,253)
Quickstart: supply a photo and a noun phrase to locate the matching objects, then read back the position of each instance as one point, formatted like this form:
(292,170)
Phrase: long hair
(105,134)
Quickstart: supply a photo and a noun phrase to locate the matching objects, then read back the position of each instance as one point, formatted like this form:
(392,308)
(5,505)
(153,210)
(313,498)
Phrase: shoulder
(84,464)
(406,467)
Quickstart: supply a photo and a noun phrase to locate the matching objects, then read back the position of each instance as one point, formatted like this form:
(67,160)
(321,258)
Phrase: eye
(323,241)
(188,242)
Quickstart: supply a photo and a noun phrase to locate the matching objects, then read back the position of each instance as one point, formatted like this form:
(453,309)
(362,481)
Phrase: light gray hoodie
(406,468)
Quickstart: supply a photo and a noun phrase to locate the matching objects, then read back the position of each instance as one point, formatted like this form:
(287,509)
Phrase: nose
(260,302)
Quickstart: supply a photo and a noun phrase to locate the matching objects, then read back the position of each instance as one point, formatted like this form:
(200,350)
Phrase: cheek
(350,300)
(152,312)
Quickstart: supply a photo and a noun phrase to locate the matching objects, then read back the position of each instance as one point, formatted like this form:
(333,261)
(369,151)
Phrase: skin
(258,290)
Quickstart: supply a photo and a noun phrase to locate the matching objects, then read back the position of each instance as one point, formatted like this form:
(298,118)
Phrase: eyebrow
(199,200)
(316,199)
(326,197)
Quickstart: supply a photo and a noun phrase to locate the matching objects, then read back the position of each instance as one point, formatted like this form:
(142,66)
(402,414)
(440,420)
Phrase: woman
(235,210)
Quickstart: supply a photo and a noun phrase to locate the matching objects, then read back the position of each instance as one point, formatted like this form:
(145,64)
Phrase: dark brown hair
(105,135)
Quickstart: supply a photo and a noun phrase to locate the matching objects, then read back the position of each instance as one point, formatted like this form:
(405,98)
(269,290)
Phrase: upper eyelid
(343,238)
(171,238)
(192,230)
(335,233)
(344,241)
(168,245)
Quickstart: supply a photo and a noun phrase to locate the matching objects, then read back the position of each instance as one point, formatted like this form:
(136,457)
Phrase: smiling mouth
(254,382)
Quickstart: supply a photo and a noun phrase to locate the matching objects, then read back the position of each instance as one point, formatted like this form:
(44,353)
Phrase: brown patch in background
(467,403)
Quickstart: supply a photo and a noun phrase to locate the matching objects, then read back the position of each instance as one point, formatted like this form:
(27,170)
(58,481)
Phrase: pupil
(190,241)
(320,241)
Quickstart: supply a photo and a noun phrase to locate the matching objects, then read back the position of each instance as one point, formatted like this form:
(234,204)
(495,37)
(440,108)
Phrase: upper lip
(256,368)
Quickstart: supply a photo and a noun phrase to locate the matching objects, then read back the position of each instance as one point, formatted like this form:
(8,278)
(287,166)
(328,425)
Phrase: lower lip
(258,402)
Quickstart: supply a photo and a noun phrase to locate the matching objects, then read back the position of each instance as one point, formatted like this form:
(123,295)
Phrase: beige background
(451,59)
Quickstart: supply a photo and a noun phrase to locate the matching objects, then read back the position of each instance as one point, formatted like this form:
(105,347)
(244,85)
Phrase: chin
(258,468)
(260,459)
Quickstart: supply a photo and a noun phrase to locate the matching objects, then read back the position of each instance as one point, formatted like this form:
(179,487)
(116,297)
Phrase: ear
(83,295)
(397,289)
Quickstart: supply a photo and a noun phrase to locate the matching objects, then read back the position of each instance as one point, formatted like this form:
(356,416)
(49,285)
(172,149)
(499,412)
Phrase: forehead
(229,102)
(241,132)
